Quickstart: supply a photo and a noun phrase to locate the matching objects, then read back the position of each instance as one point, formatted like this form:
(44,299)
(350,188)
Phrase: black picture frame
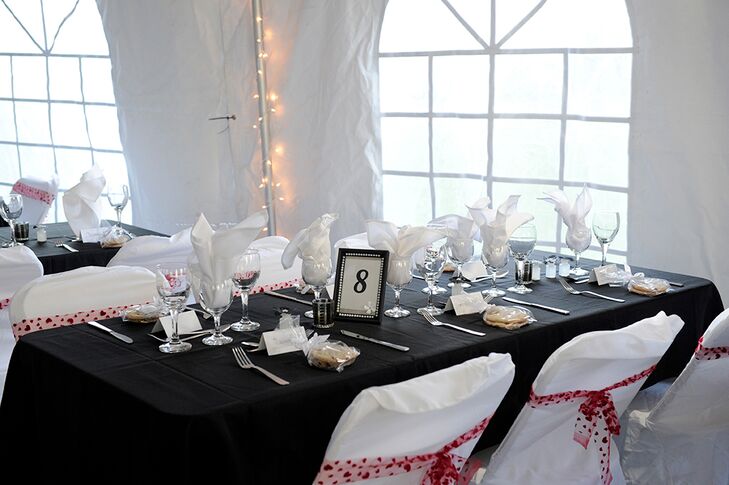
(355,297)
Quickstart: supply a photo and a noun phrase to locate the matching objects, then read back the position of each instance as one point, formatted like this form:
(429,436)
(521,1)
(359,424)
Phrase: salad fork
(437,323)
(569,289)
(245,363)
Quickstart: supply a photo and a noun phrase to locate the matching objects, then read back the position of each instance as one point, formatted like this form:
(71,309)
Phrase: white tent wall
(176,63)
(679,147)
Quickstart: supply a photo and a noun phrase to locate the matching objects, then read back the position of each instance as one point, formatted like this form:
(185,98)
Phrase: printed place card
(601,274)
(283,340)
(187,322)
(93,235)
(466,303)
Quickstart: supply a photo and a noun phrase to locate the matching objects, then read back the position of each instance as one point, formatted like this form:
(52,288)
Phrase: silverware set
(570,289)
(437,323)
(244,362)
(66,246)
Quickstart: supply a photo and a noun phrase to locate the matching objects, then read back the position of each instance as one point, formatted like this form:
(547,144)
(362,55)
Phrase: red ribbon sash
(33,192)
(443,465)
(597,417)
(710,353)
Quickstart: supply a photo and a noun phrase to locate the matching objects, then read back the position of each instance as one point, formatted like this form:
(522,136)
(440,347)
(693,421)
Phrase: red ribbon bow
(597,417)
(710,353)
(443,465)
(33,192)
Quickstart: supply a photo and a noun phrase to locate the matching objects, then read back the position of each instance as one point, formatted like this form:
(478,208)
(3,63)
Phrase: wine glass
(398,277)
(247,271)
(494,258)
(521,243)
(214,298)
(173,286)
(578,239)
(316,274)
(118,196)
(437,289)
(11,206)
(429,262)
(605,225)
(460,251)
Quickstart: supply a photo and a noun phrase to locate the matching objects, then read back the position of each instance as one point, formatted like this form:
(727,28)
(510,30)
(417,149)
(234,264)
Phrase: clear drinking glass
(521,243)
(316,274)
(118,197)
(494,259)
(429,263)
(460,251)
(605,225)
(398,277)
(247,271)
(173,286)
(11,207)
(578,239)
(214,298)
(437,289)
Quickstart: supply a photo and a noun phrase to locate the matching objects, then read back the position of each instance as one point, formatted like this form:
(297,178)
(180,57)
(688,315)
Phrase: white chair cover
(273,275)
(420,416)
(79,295)
(149,251)
(542,445)
(355,241)
(18,266)
(38,196)
(684,439)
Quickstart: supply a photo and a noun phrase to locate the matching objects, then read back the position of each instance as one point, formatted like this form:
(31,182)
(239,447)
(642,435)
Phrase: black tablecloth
(81,405)
(58,259)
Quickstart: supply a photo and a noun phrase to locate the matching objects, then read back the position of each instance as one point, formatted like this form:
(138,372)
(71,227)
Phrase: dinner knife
(287,297)
(118,335)
(66,246)
(536,305)
(374,340)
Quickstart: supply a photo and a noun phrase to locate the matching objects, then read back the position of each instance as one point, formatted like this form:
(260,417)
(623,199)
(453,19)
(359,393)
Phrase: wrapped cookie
(648,286)
(507,317)
(329,354)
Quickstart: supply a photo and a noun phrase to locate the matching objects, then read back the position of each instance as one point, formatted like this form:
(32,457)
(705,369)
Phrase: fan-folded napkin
(496,226)
(313,246)
(578,234)
(81,202)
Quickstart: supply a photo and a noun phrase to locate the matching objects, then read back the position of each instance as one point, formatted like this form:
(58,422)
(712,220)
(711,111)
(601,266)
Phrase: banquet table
(58,259)
(81,405)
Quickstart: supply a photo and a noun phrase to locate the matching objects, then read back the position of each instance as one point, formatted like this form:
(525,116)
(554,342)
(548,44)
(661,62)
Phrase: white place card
(466,303)
(93,235)
(187,322)
(283,341)
(600,274)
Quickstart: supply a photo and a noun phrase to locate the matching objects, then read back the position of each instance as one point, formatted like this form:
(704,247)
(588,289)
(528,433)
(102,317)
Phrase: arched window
(57,107)
(500,97)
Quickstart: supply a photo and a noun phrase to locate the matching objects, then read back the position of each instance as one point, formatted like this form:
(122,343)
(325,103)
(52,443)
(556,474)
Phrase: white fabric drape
(679,148)
(177,63)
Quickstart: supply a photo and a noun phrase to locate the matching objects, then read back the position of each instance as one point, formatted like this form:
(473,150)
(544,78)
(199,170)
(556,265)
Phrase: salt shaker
(564,267)
(550,267)
(536,271)
(40,234)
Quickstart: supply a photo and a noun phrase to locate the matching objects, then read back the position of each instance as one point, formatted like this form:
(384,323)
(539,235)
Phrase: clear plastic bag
(329,354)
(648,286)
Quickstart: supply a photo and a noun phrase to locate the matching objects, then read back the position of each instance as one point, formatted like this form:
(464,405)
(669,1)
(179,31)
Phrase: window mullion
(490,136)
(562,134)
(430,137)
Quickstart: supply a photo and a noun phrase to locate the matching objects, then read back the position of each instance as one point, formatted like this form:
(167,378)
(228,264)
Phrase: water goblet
(429,262)
(494,258)
(11,207)
(578,240)
(460,251)
(605,225)
(521,243)
(398,277)
(316,274)
(173,286)
(118,196)
(214,298)
(247,271)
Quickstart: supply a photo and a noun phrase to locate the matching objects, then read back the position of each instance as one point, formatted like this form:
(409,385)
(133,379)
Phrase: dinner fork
(245,363)
(437,323)
(569,289)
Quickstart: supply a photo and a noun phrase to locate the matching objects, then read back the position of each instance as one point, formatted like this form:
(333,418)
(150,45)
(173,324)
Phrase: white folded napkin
(313,246)
(81,202)
(216,252)
(573,215)
(496,226)
(401,242)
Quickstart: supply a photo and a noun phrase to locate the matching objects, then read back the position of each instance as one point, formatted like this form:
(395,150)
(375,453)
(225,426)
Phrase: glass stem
(244,304)
(577,260)
(11,223)
(397,298)
(216,320)
(431,287)
(459,274)
(118,215)
(519,273)
(317,293)
(175,337)
(604,247)
(493,278)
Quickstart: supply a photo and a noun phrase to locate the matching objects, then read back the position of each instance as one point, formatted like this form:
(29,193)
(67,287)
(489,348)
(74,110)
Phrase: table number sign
(359,284)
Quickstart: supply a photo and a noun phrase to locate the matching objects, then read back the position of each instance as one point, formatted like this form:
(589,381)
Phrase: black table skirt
(56,260)
(79,404)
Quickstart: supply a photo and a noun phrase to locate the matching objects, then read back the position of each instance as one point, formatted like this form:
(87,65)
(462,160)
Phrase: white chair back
(38,196)
(149,251)
(685,437)
(355,241)
(273,275)
(79,295)
(552,440)
(419,425)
